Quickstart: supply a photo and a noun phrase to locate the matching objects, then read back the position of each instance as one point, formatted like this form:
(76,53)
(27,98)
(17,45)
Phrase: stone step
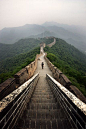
(42,96)
(47,87)
(42,100)
(42,88)
(42,93)
(43,106)
(44,124)
(44,114)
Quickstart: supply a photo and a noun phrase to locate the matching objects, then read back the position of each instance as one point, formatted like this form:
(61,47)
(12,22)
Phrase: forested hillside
(22,46)
(70,61)
(12,65)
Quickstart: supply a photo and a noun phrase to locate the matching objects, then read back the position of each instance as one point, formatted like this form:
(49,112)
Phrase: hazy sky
(20,12)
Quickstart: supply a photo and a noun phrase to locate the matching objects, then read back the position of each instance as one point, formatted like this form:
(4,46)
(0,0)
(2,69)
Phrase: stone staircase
(43,111)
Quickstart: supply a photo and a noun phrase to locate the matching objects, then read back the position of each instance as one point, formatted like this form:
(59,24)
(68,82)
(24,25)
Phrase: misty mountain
(77,34)
(62,33)
(70,34)
(12,35)
(73,28)
(44,34)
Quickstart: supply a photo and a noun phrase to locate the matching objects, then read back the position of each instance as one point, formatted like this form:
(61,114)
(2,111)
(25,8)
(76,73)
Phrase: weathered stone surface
(8,99)
(77,92)
(64,80)
(72,97)
(7,87)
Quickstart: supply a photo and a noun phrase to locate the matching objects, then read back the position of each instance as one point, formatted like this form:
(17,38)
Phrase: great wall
(73,103)
(26,73)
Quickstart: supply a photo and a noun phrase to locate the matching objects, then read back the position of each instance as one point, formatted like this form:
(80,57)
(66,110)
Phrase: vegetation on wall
(70,61)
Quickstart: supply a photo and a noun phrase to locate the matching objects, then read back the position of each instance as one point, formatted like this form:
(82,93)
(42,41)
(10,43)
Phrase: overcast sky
(20,12)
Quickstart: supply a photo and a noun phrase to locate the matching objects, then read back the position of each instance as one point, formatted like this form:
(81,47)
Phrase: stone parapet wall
(74,108)
(26,73)
(19,78)
(13,105)
(62,79)
(7,87)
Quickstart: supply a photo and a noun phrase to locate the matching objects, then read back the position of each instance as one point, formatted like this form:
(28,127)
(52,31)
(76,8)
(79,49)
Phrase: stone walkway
(43,112)
(42,72)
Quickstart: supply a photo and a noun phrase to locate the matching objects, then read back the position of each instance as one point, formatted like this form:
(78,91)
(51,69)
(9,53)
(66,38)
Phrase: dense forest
(70,61)
(12,65)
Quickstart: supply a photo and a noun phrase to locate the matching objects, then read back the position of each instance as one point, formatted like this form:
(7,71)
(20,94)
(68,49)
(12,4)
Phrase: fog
(15,13)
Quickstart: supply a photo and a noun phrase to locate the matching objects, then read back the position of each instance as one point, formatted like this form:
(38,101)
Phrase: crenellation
(56,74)
(53,69)
(21,76)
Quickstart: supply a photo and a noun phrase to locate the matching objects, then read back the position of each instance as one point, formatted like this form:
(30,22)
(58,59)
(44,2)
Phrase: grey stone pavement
(43,111)
(45,70)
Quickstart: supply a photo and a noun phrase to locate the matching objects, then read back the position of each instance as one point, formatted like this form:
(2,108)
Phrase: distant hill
(43,35)
(12,35)
(22,46)
(72,34)
(81,30)
(70,61)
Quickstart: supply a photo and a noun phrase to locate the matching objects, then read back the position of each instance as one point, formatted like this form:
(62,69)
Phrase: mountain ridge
(13,34)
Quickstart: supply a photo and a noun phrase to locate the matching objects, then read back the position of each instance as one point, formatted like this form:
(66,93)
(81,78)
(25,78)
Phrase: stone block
(21,76)
(7,87)
(78,93)
(64,80)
